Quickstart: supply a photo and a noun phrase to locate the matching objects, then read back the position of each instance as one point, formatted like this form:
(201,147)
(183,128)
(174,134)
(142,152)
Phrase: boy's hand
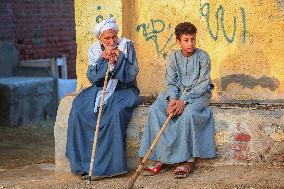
(171,107)
(176,107)
(180,105)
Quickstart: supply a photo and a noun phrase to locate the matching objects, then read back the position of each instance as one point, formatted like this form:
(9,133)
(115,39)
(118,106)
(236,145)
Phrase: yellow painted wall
(247,54)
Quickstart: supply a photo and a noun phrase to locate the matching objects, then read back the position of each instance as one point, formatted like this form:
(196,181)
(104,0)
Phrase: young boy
(190,133)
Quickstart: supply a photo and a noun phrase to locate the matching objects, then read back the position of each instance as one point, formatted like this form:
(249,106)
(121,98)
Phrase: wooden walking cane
(141,166)
(98,126)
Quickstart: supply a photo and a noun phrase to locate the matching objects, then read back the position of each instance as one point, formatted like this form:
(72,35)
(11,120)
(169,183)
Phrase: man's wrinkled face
(109,38)
(187,43)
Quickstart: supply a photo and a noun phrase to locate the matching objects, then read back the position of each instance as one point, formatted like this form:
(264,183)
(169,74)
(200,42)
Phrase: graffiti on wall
(100,17)
(152,30)
(205,11)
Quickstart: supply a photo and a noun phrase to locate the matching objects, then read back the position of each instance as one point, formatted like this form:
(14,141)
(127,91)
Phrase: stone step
(243,135)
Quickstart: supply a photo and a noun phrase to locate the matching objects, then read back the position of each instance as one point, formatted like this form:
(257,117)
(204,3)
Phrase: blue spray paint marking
(243,13)
(100,18)
(206,15)
(205,10)
(151,32)
(221,10)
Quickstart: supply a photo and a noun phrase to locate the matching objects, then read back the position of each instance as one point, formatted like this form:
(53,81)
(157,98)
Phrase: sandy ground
(26,145)
(27,157)
(234,177)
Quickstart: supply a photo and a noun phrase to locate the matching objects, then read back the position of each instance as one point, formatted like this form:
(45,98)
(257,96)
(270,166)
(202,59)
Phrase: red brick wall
(40,28)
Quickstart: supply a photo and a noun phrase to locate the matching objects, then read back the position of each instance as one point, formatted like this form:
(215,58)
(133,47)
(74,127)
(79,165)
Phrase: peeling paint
(221,137)
(278,135)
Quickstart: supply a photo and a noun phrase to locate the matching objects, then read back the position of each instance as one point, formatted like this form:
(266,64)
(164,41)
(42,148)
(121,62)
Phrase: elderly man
(121,96)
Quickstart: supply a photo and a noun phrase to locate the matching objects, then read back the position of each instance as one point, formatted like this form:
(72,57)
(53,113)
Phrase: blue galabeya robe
(110,152)
(191,134)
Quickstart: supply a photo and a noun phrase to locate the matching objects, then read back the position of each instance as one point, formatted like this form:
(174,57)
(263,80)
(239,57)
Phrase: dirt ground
(27,161)
(20,146)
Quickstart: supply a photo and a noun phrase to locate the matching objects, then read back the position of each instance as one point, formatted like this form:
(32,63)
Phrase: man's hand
(176,107)
(110,54)
(116,52)
(112,59)
(106,53)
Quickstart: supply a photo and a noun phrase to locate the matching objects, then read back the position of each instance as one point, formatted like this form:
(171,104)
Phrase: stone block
(25,100)
(263,130)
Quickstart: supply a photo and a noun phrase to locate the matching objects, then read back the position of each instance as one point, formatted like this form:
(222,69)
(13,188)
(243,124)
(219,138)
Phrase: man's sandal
(183,171)
(154,169)
(93,178)
(81,173)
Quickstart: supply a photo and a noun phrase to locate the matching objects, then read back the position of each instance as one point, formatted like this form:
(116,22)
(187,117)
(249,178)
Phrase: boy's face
(187,43)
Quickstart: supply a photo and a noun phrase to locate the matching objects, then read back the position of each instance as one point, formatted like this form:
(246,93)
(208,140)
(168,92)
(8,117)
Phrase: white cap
(106,24)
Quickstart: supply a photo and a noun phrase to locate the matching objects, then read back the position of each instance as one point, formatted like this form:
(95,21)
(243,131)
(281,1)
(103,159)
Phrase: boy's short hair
(185,28)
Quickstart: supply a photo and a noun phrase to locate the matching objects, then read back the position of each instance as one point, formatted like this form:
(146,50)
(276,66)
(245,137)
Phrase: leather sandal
(183,171)
(154,169)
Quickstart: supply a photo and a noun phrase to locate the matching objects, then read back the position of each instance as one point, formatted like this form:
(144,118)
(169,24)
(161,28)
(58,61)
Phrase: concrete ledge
(243,135)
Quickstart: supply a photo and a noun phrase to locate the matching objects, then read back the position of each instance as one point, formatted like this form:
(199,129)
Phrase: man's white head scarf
(106,24)
(95,52)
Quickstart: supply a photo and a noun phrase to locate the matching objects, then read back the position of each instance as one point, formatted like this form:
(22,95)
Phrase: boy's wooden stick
(98,126)
(141,166)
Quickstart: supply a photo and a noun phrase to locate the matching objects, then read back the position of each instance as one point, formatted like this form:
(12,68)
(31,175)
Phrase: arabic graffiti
(243,13)
(99,17)
(205,12)
(151,32)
